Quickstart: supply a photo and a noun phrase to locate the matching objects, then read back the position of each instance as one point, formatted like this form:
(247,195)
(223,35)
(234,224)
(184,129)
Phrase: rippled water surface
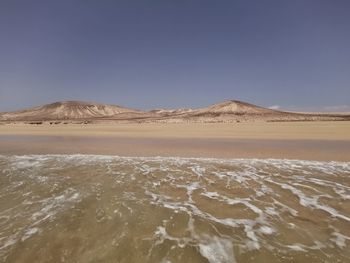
(85,208)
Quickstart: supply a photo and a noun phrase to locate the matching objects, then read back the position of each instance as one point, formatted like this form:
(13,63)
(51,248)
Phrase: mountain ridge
(226,111)
(69,109)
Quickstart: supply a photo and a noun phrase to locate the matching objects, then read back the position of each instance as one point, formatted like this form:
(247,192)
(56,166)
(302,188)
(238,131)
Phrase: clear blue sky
(180,53)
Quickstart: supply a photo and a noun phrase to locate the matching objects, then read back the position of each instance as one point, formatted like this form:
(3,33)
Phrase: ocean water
(90,208)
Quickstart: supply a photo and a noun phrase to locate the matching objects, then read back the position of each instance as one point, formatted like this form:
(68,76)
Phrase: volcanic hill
(227,111)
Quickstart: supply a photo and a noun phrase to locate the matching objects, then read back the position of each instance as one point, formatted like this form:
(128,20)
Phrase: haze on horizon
(174,54)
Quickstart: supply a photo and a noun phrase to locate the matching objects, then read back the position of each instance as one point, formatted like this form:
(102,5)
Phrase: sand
(291,140)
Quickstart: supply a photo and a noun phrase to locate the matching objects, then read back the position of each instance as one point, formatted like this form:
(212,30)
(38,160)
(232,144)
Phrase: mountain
(239,111)
(227,111)
(234,107)
(67,110)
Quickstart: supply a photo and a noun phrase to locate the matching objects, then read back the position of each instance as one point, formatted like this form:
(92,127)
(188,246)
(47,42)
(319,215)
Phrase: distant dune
(227,111)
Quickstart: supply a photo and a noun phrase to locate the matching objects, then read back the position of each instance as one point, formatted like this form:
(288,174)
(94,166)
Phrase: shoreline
(188,148)
(315,130)
(318,141)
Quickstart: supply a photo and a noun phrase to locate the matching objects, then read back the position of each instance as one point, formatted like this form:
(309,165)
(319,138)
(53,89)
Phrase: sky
(173,54)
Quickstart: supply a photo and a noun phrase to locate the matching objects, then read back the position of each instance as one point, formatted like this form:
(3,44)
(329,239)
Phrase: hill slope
(227,111)
(67,110)
(234,107)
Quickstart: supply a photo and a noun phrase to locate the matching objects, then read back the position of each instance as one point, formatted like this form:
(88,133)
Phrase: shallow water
(88,208)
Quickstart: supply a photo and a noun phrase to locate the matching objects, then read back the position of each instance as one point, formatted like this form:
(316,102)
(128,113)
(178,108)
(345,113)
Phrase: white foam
(30,232)
(213,248)
(53,205)
(296,247)
(198,170)
(8,242)
(253,243)
(313,202)
(217,251)
(266,230)
(230,201)
(340,239)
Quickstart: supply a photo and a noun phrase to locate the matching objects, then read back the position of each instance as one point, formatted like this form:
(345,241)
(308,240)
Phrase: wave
(218,209)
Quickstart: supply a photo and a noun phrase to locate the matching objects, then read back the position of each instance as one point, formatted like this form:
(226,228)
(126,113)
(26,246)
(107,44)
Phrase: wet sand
(103,208)
(93,208)
(323,141)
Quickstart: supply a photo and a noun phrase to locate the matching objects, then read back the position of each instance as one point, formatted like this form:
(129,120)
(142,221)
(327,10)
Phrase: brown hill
(234,107)
(227,111)
(66,110)
(237,111)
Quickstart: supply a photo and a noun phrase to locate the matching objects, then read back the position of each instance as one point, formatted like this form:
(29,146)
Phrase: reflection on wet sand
(90,208)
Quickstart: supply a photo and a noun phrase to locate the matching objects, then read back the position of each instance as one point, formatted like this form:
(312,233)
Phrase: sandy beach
(175,131)
(290,140)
